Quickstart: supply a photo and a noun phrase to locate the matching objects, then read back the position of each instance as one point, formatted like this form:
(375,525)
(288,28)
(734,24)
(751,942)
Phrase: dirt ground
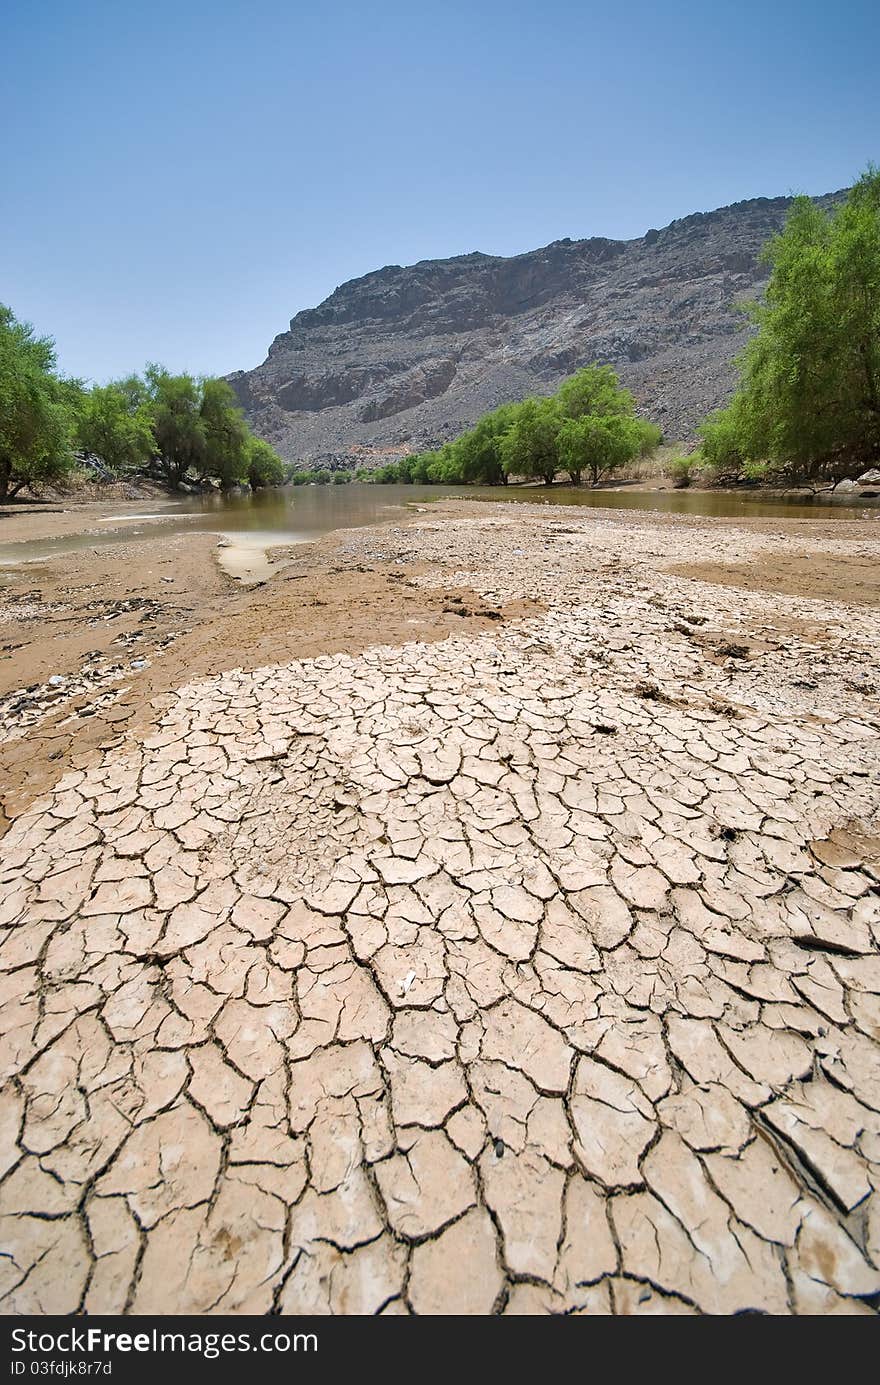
(819,575)
(121,625)
(91,616)
(481,916)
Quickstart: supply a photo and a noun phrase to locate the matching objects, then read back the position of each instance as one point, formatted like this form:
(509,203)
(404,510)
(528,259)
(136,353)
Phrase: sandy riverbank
(120,625)
(365,955)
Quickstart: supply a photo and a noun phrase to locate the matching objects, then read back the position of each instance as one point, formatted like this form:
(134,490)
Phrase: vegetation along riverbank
(806,410)
(480,911)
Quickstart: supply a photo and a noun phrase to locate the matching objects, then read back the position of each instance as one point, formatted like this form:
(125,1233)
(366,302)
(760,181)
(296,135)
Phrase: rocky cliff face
(405,358)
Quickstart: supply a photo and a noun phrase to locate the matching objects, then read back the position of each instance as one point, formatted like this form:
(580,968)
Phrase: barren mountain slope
(405,358)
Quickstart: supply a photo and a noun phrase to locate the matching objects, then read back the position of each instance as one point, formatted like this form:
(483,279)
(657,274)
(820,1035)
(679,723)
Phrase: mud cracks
(530,971)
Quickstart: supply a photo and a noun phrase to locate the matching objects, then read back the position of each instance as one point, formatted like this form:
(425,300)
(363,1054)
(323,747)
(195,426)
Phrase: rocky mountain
(407,357)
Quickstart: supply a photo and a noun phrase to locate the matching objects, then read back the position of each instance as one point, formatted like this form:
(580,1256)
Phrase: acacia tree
(597,445)
(114,422)
(855,257)
(599,430)
(530,447)
(265,467)
(440,468)
(35,409)
(594,390)
(479,453)
(178,426)
(809,392)
(191,429)
(227,438)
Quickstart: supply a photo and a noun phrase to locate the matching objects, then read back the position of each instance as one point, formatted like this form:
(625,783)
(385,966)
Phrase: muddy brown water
(303,513)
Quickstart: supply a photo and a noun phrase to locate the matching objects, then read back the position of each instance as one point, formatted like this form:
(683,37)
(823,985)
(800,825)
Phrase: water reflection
(302,513)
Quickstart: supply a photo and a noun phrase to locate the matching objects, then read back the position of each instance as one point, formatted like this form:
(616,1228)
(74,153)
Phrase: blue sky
(178,179)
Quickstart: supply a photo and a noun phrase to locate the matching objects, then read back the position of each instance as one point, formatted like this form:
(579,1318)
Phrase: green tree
(36,414)
(479,453)
(114,422)
(650,436)
(444,467)
(599,429)
(595,391)
(597,445)
(199,430)
(524,439)
(226,455)
(136,391)
(387,475)
(431,465)
(178,425)
(419,469)
(530,447)
(855,255)
(809,392)
(265,467)
(721,440)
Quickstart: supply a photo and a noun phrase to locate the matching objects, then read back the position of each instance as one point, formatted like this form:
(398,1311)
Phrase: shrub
(755,471)
(681,471)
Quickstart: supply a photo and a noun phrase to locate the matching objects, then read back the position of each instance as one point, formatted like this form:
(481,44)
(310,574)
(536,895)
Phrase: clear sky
(179,177)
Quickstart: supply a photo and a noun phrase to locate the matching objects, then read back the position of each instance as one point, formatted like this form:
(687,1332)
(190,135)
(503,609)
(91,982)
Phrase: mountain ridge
(407,356)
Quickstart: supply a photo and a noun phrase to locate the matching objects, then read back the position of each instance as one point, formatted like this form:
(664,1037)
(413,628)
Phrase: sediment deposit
(536,968)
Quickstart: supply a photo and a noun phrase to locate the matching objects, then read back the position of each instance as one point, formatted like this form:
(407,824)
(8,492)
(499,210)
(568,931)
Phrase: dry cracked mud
(533,970)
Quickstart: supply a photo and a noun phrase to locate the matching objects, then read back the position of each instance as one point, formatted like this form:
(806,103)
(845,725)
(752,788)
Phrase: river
(253,523)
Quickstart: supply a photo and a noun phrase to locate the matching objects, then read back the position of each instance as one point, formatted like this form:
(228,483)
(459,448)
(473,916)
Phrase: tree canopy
(808,400)
(227,455)
(265,467)
(598,427)
(36,413)
(113,421)
(530,447)
(589,425)
(597,444)
(479,453)
(178,428)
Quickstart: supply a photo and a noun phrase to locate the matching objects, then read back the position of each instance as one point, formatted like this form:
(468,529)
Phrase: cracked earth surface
(534,970)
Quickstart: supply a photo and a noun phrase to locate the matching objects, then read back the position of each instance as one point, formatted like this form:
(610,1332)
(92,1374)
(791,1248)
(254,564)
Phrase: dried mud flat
(534,969)
(89,638)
